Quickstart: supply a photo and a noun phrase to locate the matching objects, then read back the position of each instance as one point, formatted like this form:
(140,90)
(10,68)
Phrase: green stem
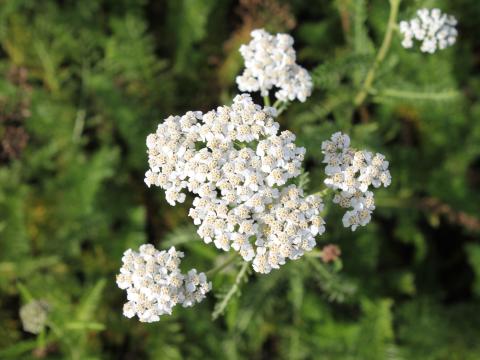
(282,108)
(266,100)
(387,40)
(322,193)
(314,253)
(79,125)
(219,309)
(41,340)
(222,266)
(319,267)
(276,104)
(415,95)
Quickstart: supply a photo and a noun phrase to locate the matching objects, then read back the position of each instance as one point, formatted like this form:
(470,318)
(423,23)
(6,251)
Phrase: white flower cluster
(432,28)
(240,202)
(352,172)
(270,62)
(34,316)
(155,284)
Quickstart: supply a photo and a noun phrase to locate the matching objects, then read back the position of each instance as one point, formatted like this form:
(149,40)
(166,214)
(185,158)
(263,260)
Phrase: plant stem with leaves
(387,40)
(231,259)
(220,306)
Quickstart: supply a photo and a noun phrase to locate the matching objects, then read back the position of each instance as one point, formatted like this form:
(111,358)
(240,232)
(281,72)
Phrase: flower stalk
(387,41)
(229,261)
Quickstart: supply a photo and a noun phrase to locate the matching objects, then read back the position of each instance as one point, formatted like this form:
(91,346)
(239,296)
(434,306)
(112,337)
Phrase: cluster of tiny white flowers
(351,172)
(155,284)
(270,62)
(34,316)
(241,201)
(432,28)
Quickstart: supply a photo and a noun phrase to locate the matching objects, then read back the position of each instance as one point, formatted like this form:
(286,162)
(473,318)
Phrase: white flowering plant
(314,191)
(241,169)
(432,28)
(243,172)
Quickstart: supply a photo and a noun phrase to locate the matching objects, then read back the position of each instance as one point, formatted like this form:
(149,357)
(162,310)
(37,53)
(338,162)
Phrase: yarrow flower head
(270,62)
(34,316)
(237,164)
(434,29)
(351,172)
(155,284)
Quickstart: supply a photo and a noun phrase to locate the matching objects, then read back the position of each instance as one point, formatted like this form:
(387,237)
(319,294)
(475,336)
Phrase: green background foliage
(84,82)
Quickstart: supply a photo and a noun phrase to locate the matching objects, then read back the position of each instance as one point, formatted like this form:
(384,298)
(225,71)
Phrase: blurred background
(83,82)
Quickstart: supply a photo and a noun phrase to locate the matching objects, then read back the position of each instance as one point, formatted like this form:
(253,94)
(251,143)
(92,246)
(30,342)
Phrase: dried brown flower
(330,253)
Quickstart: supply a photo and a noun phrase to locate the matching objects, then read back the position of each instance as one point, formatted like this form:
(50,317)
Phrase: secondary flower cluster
(241,201)
(434,29)
(155,284)
(240,169)
(270,62)
(34,316)
(352,172)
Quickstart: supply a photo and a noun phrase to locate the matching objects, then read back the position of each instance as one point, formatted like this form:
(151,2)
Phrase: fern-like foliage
(224,297)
